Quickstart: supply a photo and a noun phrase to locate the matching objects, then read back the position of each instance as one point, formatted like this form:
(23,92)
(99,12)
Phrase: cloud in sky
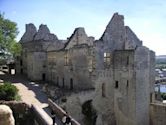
(145,17)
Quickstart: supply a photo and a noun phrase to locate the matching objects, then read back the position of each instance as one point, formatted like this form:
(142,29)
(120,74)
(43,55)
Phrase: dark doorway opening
(71,84)
(43,76)
(21,71)
(89,113)
(57,81)
(63,82)
(116,84)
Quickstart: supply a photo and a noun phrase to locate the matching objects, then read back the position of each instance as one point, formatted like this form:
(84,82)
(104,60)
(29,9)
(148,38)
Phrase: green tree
(8,32)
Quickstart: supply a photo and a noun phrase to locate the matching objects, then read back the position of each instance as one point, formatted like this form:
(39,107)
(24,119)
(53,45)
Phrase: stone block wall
(21,112)
(157,114)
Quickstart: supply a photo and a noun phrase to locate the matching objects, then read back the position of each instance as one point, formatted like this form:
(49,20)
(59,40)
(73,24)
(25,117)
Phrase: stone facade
(117,68)
(158,114)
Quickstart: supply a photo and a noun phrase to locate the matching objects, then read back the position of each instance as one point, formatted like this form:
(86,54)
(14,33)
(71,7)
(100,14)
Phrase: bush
(8,92)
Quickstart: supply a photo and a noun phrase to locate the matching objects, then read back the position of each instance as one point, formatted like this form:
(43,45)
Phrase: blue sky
(146,18)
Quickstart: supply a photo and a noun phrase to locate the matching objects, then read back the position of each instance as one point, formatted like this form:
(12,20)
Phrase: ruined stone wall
(124,87)
(103,100)
(132,83)
(36,65)
(152,72)
(74,103)
(123,80)
(35,44)
(69,66)
(114,35)
(55,66)
(79,37)
(142,74)
(157,114)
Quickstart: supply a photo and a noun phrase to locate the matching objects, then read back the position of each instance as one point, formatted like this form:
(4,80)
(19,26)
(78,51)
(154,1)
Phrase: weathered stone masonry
(117,68)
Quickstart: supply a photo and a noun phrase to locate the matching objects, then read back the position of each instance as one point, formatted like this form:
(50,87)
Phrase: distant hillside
(161,59)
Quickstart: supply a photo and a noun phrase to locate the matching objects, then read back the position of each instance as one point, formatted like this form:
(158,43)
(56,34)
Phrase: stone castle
(117,68)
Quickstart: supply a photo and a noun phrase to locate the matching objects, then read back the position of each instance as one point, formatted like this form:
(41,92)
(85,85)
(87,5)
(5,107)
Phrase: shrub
(8,92)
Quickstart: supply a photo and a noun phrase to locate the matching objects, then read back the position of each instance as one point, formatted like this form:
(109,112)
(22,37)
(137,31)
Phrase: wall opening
(127,61)
(107,59)
(66,59)
(151,97)
(116,84)
(127,83)
(71,84)
(103,90)
(21,62)
(21,71)
(63,82)
(89,113)
(43,76)
(57,81)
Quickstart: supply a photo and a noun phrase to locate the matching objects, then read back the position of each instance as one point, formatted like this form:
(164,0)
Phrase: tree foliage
(8,33)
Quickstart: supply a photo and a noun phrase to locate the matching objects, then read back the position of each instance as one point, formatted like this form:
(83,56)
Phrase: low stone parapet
(40,116)
(59,111)
(21,112)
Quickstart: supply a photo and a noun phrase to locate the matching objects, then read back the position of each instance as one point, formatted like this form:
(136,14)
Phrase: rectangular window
(151,97)
(63,82)
(20,62)
(103,90)
(57,82)
(90,65)
(107,59)
(51,61)
(127,62)
(66,59)
(127,83)
(116,84)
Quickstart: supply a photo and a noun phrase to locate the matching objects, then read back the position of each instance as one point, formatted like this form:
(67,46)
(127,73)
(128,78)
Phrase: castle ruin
(117,68)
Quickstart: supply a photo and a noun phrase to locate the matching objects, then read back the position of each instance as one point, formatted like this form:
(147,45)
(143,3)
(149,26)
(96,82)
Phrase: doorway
(63,82)
(71,84)
(21,71)
(43,77)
